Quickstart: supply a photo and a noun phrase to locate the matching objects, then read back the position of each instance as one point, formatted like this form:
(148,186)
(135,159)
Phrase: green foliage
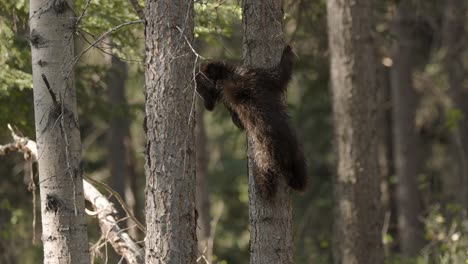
(218,35)
(15,55)
(216,18)
(16,215)
(16,109)
(448,235)
(103,15)
(453,117)
(228,178)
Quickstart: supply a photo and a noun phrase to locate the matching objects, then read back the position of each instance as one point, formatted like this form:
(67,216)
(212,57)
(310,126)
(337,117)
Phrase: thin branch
(110,31)
(139,11)
(104,51)
(188,43)
(214,223)
(32,189)
(82,13)
(121,201)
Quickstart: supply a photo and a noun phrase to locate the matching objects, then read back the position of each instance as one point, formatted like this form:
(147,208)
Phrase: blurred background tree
(438,76)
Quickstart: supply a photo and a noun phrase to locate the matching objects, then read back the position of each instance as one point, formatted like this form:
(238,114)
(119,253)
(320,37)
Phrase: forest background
(110,86)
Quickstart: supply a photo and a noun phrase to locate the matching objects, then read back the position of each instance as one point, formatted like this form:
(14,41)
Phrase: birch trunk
(271,234)
(170,152)
(64,232)
(353,83)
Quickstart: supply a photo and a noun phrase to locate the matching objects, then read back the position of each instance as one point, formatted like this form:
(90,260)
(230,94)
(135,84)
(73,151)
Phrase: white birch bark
(64,232)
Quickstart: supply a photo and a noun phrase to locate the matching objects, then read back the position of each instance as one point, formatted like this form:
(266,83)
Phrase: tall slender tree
(407,142)
(169,126)
(385,152)
(119,145)
(271,239)
(354,89)
(64,233)
(454,37)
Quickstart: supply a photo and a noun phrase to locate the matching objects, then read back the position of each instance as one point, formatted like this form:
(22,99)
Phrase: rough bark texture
(202,194)
(271,235)
(454,39)
(353,82)
(170,152)
(121,165)
(64,233)
(407,142)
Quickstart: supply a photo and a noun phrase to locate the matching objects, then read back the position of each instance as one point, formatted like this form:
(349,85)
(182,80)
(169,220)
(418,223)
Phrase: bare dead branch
(121,201)
(122,243)
(104,210)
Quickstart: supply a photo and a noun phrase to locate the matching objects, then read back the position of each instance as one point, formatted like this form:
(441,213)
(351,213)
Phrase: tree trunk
(454,43)
(385,153)
(353,82)
(408,143)
(169,125)
(384,134)
(64,233)
(202,194)
(121,165)
(271,239)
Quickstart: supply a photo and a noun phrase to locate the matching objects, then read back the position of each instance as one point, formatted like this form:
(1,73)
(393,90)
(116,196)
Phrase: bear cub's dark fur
(255,98)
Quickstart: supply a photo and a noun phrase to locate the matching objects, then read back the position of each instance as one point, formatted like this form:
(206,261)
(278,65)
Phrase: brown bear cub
(255,99)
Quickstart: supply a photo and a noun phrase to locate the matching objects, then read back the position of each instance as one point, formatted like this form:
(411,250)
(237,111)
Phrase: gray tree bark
(271,234)
(353,83)
(169,126)
(454,38)
(407,142)
(64,232)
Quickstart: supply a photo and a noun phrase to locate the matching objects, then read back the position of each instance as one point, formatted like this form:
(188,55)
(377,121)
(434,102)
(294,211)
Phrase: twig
(32,188)
(214,223)
(385,229)
(82,13)
(136,6)
(121,241)
(110,31)
(220,4)
(188,43)
(121,201)
(104,51)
